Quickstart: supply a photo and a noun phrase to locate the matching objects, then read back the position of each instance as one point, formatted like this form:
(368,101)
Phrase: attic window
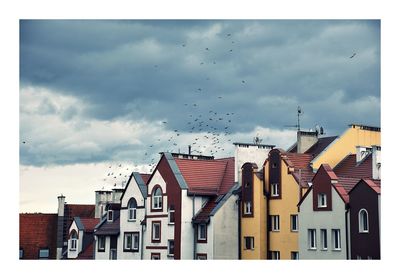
(322,200)
(132,210)
(109,215)
(74,240)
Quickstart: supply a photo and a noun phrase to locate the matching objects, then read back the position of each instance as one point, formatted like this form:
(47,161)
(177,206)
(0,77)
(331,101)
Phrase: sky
(101,98)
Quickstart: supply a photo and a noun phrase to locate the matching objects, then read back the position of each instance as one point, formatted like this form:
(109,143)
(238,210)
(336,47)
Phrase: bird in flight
(354,54)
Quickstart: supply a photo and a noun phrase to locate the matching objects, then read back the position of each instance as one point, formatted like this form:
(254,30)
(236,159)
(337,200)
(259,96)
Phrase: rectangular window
(312,239)
(21,253)
(324,239)
(155,256)
(336,239)
(274,190)
(171,215)
(101,247)
(171,245)
(132,214)
(73,244)
(201,256)
(275,255)
(294,255)
(156,231)
(294,223)
(202,232)
(131,242)
(274,220)
(113,254)
(110,215)
(44,253)
(249,243)
(247,208)
(322,200)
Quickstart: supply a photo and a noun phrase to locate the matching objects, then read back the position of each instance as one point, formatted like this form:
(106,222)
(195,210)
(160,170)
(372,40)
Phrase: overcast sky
(95,95)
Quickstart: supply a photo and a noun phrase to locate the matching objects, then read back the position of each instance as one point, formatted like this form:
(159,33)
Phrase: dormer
(362,152)
(376,162)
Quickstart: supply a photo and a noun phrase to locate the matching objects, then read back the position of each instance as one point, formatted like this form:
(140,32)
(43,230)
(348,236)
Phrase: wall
(72,254)
(346,144)
(310,219)
(103,255)
(224,230)
(256,226)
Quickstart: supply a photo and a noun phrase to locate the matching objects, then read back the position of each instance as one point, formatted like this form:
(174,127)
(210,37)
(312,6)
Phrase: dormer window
(247,208)
(274,190)
(110,215)
(132,210)
(322,200)
(157,198)
(74,240)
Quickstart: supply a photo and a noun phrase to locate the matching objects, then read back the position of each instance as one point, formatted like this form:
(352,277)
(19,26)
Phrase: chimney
(362,152)
(376,162)
(190,150)
(61,203)
(116,195)
(102,198)
(305,140)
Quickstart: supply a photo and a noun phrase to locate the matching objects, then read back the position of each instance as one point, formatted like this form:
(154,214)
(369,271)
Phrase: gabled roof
(105,227)
(374,184)
(138,177)
(316,148)
(207,177)
(300,163)
(349,167)
(86,224)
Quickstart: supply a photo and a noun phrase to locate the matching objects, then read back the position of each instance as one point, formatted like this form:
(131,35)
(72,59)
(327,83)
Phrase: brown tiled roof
(36,231)
(109,228)
(87,254)
(300,163)
(344,186)
(145,177)
(89,223)
(76,210)
(375,184)
(204,213)
(349,167)
(207,177)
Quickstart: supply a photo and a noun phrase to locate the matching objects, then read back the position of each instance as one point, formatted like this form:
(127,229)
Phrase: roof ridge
(222,177)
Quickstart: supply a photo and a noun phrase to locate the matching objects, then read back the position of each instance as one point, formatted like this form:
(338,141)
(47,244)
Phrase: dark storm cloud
(261,70)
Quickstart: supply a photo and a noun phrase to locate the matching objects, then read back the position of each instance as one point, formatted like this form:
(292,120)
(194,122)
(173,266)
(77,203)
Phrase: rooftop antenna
(257,139)
(299,112)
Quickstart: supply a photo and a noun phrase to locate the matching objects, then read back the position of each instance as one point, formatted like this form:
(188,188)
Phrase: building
(81,238)
(37,236)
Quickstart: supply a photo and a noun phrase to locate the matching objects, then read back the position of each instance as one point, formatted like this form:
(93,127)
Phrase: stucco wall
(248,154)
(309,219)
(103,255)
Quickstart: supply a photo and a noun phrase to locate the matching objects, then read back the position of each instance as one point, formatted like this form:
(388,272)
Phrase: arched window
(74,240)
(157,198)
(132,210)
(363,221)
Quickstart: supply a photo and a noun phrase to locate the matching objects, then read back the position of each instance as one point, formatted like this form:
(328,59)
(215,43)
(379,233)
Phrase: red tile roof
(300,163)
(145,177)
(349,167)
(207,177)
(344,185)
(76,210)
(87,254)
(204,213)
(36,231)
(375,184)
(89,223)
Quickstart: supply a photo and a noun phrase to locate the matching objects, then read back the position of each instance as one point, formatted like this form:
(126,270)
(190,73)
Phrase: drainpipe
(239,228)
(266,214)
(347,235)
(141,243)
(195,229)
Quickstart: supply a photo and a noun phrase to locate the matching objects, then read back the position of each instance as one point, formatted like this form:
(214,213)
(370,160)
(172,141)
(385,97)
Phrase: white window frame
(199,236)
(322,200)
(171,241)
(324,239)
(157,201)
(153,232)
(251,238)
(274,190)
(312,239)
(275,255)
(295,218)
(336,240)
(74,241)
(362,222)
(275,226)
(108,215)
(132,212)
(134,241)
(247,207)
(101,246)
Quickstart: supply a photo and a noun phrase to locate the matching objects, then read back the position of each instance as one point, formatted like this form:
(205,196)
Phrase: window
(201,256)
(248,243)
(202,232)
(74,240)
(156,231)
(157,198)
(294,255)
(312,239)
(171,245)
(113,254)
(44,253)
(155,256)
(109,215)
(275,255)
(101,247)
(274,190)
(336,239)
(322,200)
(131,242)
(274,165)
(21,253)
(132,210)
(363,221)
(274,219)
(294,223)
(324,239)
(171,215)
(247,208)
